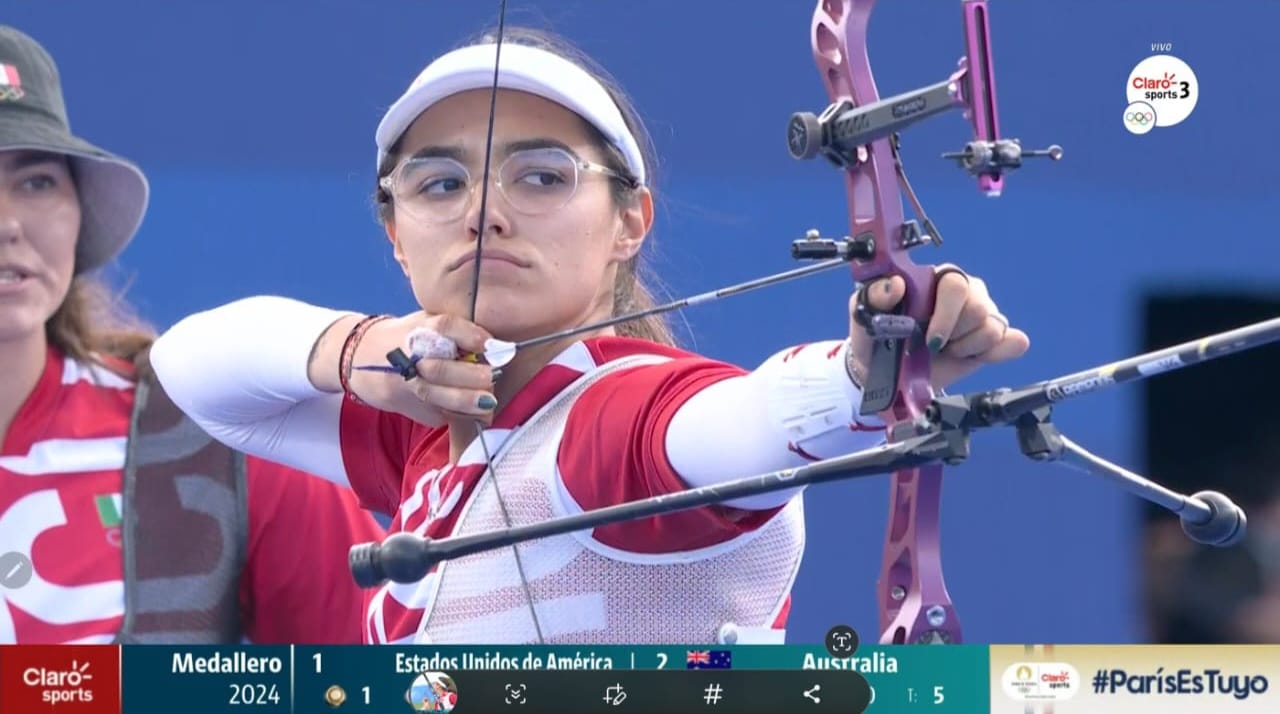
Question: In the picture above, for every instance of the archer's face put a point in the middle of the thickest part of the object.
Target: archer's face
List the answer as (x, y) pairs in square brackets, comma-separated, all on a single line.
[(39, 226), (554, 236)]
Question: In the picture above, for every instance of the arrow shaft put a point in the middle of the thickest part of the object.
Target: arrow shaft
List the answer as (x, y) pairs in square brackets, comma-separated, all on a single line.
[(690, 301)]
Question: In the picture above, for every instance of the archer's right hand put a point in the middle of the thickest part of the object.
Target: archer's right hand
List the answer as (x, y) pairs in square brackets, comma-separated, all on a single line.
[(446, 386)]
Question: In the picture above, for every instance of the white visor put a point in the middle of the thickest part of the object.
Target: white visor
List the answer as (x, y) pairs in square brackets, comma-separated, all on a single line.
[(523, 68)]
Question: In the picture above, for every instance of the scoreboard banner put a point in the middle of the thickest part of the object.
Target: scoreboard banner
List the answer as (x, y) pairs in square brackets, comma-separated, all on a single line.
[(108, 679)]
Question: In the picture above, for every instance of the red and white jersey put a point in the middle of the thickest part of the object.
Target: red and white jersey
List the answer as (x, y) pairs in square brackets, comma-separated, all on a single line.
[(61, 471), (610, 449)]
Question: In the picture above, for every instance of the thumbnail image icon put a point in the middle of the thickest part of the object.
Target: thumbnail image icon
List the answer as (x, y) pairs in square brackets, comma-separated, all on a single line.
[(432, 692)]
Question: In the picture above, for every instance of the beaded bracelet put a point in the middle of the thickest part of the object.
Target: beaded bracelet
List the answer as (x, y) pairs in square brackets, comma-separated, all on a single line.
[(347, 357)]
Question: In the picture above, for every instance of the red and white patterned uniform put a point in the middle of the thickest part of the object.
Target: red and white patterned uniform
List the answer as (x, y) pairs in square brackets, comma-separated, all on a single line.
[(613, 450), (61, 470), (719, 573)]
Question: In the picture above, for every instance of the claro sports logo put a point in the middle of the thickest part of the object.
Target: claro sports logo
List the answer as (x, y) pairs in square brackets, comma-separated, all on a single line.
[(60, 679), (61, 686), (1040, 681), (1166, 87), (1161, 90)]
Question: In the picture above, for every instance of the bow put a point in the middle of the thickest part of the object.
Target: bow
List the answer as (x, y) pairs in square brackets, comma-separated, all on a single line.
[(858, 133)]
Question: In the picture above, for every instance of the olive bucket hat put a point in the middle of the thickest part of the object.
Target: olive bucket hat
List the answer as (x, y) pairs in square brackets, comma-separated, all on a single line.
[(33, 116)]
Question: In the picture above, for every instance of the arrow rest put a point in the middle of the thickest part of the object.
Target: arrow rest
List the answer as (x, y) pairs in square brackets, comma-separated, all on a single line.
[(814, 247)]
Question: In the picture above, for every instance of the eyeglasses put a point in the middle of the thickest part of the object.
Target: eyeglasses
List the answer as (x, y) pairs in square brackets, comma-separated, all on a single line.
[(436, 189)]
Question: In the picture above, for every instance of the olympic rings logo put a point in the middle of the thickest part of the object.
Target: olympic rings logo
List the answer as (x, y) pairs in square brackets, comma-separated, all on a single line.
[(1139, 118), (11, 93)]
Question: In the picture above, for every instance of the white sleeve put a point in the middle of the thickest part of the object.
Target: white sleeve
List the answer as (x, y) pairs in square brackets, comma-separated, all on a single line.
[(240, 372), (799, 406)]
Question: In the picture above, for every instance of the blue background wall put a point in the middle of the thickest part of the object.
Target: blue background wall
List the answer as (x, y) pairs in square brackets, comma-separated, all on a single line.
[(255, 122)]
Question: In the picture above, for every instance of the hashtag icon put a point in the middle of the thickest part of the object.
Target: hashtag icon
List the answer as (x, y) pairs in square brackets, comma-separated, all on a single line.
[(711, 695), (1100, 681)]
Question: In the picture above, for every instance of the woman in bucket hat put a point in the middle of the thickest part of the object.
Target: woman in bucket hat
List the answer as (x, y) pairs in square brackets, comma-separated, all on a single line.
[(121, 520)]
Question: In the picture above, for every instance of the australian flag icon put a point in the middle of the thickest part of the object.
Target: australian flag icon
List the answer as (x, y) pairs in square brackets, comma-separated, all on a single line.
[(708, 659)]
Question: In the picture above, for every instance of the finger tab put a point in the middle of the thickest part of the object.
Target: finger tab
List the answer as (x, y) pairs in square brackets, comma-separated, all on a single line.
[(425, 343)]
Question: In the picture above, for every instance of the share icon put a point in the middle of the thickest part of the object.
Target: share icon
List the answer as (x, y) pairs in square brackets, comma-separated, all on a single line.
[(813, 694)]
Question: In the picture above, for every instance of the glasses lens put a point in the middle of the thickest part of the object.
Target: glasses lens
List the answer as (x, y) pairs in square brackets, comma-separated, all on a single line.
[(432, 189), (539, 180), (436, 190)]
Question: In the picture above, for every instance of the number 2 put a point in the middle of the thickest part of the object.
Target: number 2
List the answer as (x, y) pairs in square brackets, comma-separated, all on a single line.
[(662, 660)]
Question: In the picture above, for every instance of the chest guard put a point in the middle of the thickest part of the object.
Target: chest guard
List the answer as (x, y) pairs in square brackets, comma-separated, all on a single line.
[(588, 592)]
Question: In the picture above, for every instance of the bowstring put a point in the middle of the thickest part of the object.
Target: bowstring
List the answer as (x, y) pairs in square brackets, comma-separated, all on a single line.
[(475, 294)]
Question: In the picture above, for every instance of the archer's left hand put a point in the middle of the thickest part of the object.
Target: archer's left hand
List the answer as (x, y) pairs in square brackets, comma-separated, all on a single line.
[(965, 332)]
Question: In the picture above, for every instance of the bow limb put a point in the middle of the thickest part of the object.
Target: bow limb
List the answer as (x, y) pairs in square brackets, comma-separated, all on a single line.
[(914, 603)]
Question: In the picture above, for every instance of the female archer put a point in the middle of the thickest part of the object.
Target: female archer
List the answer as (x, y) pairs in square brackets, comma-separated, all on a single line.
[(133, 525), (553, 242)]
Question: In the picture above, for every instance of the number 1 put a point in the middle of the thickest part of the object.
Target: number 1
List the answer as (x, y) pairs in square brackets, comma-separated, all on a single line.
[(366, 694), (316, 657)]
